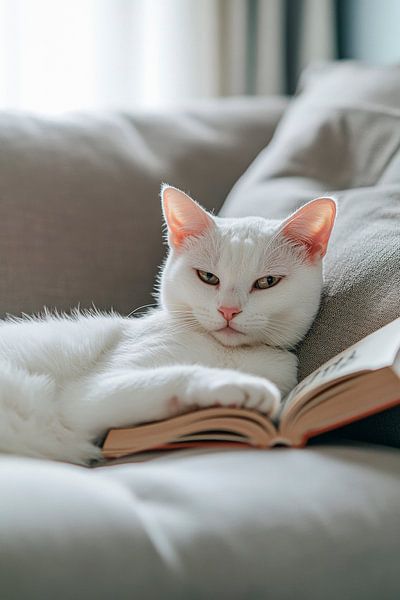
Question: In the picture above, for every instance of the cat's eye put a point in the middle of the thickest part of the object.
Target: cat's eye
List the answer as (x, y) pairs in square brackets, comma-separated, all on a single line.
[(209, 278), (266, 282)]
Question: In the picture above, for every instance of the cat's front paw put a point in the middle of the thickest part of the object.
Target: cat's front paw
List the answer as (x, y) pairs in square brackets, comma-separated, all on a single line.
[(229, 388)]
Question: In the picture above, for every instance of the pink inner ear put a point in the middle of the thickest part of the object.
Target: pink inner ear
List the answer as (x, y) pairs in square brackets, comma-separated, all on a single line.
[(184, 217), (312, 225)]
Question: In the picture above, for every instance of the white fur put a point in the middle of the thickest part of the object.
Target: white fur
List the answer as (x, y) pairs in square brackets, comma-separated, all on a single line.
[(65, 380)]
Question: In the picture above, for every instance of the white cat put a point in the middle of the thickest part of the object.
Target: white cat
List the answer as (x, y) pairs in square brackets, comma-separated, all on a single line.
[(235, 295)]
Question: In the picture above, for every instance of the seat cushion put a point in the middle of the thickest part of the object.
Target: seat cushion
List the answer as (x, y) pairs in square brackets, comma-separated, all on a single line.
[(323, 522)]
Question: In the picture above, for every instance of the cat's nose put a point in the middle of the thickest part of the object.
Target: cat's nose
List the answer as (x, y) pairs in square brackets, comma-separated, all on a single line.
[(229, 312)]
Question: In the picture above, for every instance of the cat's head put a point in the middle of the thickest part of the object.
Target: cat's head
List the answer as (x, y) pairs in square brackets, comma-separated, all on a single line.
[(245, 281)]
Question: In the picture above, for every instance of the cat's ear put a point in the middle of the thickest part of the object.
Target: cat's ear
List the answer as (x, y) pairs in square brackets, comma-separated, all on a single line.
[(311, 226), (183, 216)]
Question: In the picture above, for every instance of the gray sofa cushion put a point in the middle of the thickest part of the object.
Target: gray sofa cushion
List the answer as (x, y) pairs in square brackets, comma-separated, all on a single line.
[(79, 196), (340, 136), (352, 81), (304, 524)]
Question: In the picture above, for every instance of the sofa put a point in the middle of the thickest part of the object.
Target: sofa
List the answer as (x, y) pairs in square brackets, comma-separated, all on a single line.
[(81, 226)]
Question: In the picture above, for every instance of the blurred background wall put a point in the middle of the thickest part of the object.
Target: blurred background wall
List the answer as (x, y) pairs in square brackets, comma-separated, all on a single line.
[(58, 55)]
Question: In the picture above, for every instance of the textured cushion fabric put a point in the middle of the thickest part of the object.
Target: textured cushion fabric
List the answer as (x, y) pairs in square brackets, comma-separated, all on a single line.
[(79, 195), (306, 524), (353, 81), (341, 136)]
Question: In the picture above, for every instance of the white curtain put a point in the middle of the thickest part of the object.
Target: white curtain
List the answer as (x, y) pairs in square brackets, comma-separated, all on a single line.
[(58, 55), (318, 32)]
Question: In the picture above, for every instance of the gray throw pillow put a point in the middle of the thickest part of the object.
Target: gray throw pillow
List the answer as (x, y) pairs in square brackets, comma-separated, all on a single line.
[(340, 136)]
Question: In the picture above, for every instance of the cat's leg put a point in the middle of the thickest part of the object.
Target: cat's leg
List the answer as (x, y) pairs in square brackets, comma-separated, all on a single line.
[(129, 397)]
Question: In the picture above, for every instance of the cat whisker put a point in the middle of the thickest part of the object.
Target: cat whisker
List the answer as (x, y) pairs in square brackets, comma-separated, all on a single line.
[(141, 308), (277, 337)]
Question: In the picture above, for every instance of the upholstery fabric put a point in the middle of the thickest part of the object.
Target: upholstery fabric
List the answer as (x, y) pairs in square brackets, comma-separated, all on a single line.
[(79, 195), (307, 524)]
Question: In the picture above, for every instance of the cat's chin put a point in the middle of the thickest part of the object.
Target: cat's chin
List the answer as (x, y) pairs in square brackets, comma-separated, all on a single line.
[(229, 337)]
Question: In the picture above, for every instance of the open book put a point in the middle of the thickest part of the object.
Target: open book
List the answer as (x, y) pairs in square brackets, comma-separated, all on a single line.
[(361, 381)]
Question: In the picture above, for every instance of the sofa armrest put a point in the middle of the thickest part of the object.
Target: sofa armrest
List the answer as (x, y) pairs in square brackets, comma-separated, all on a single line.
[(81, 222)]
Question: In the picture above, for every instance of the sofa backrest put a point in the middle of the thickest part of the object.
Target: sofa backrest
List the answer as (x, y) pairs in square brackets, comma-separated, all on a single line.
[(79, 196)]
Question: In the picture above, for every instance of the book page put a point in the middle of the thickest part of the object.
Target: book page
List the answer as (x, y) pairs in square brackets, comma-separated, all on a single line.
[(371, 353), (206, 425)]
